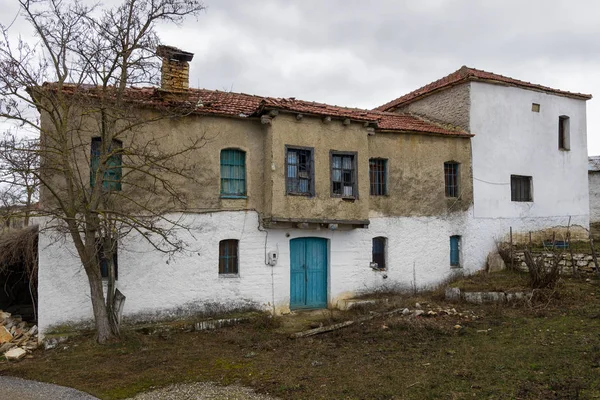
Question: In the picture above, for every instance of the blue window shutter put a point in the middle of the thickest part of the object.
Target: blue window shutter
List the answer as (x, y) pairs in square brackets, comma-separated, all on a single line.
[(233, 172), (454, 251)]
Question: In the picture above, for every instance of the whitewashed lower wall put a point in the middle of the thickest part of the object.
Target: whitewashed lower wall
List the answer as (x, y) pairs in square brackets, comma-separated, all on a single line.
[(418, 251)]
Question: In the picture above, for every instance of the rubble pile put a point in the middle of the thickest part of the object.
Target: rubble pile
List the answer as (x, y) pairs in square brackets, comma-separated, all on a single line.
[(17, 338)]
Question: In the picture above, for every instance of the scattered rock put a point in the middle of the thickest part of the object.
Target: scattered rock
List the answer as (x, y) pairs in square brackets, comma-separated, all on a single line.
[(5, 335), (452, 294), (316, 363), (406, 311), (418, 306), (15, 354), (250, 355), (457, 326), (418, 313)]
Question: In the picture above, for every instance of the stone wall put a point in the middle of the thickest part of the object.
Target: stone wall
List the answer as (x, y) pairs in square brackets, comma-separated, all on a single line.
[(584, 262)]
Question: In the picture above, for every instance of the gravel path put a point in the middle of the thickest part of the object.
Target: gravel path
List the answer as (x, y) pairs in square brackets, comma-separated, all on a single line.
[(202, 391), (21, 389)]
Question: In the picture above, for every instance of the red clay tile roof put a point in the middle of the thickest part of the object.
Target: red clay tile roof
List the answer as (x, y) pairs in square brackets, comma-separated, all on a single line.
[(214, 102), (406, 122), (466, 74), (308, 107)]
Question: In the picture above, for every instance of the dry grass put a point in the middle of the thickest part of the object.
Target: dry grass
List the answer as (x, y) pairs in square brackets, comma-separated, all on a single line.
[(521, 353)]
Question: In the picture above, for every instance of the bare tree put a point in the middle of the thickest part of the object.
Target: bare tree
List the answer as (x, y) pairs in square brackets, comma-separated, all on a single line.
[(103, 174), (19, 164)]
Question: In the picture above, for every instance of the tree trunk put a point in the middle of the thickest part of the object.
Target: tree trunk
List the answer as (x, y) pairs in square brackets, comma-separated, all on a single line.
[(104, 332)]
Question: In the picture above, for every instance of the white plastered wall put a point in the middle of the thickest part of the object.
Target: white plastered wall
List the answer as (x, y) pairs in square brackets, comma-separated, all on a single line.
[(512, 139), (594, 182), (156, 286)]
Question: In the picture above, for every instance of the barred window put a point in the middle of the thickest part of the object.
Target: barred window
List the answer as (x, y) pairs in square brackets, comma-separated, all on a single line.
[(300, 174), (379, 251), (233, 173), (377, 176), (451, 178), (520, 188), (343, 175), (228, 256)]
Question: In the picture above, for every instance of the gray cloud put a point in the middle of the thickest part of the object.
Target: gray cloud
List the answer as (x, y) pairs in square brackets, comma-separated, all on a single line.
[(358, 53)]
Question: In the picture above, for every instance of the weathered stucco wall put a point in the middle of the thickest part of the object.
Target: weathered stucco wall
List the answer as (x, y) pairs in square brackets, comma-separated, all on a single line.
[(322, 137), (511, 139), (594, 185), (450, 106), (190, 283), (418, 253), (415, 165)]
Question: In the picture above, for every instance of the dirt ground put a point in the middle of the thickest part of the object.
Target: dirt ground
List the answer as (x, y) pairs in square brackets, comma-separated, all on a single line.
[(546, 349)]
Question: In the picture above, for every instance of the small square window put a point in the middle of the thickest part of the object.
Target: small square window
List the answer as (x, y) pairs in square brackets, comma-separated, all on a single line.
[(520, 188), (343, 175), (535, 107)]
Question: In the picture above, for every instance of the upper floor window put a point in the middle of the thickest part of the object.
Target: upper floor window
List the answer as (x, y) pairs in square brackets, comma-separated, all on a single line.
[(451, 179), (233, 173), (379, 245), (300, 173), (113, 169), (535, 107), (228, 256), (343, 174), (520, 188), (564, 133), (377, 176)]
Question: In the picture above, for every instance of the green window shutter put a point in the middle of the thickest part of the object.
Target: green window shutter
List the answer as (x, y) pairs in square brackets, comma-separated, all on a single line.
[(113, 172)]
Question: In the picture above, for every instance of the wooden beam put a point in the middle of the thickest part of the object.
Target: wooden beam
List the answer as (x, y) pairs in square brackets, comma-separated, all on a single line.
[(346, 121), (273, 113), (265, 120), (327, 119), (299, 117)]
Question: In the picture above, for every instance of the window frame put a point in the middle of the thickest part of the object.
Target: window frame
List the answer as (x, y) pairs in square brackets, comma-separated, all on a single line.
[(354, 155), (116, 171), (564, 133), (458, 239), (383, 255), (373, 186), (228, 195), (311, 179), (224, 268), (514, 179), (452, 188)]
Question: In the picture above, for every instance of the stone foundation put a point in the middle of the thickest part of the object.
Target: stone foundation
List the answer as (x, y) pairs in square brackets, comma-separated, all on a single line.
[(584, 262)]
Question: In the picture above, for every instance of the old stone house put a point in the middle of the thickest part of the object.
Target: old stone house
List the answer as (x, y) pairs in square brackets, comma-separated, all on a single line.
[(301, 205)]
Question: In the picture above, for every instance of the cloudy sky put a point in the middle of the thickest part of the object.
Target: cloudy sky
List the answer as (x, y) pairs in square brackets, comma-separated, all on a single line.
[(365, 53)]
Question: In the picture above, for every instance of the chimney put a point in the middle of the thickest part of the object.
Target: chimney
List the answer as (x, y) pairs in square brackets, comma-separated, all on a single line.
[(175, 68)]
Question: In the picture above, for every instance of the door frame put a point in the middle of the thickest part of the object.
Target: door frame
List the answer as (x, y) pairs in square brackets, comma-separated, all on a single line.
[(327, 274)]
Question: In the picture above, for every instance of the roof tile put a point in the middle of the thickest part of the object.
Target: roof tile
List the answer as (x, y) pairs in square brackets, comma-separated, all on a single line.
[(466, 74)]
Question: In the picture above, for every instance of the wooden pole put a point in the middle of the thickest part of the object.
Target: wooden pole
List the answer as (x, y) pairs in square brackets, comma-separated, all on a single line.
[(512, 264)]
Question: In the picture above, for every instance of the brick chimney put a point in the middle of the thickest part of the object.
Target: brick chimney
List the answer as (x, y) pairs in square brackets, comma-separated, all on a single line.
[(175, 72)]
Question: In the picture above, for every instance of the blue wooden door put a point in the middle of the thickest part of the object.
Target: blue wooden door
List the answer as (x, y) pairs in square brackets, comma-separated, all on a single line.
[(308, 270)]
